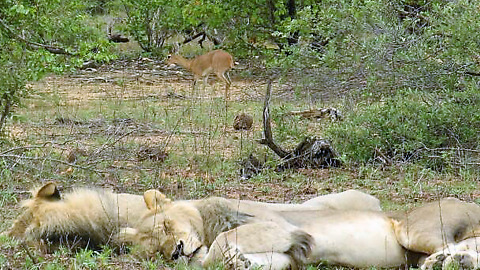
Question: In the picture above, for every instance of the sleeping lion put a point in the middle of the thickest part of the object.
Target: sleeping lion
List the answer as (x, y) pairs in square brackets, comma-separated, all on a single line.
[(346, 229), (245, 235), (81, 218), (91, 218), (447, 231)]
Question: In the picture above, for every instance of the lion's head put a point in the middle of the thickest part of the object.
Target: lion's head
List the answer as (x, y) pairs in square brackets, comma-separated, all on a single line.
[(173, 229), (33, 210), (81, 218)]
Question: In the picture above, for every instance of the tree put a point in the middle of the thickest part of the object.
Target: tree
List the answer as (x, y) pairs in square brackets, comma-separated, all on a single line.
[(42, 36)]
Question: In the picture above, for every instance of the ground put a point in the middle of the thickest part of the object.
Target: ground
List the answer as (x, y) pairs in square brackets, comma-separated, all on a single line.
[(137, 124)]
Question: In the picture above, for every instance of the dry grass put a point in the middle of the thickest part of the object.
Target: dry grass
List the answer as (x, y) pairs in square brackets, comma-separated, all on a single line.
[(105, 117)]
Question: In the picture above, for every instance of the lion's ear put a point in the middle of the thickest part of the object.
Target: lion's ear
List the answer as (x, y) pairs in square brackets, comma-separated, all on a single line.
[(154, 199), (126, 235), (49, 191)]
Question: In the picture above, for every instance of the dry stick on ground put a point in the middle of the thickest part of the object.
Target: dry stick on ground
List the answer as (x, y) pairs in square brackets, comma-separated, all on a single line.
[(29, 254), (333, 113), (310, 153), (88, 168)]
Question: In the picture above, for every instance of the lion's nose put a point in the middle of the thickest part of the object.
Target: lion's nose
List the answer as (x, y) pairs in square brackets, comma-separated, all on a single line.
[(178, 251)]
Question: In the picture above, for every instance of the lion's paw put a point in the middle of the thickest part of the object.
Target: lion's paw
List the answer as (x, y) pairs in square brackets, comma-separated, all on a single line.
[(434, 261), (237, 261), (468, 259)]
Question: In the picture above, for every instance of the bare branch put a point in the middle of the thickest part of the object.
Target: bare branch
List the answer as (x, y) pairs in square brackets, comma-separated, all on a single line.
[(31, 44), (267, 130), (310, 153)]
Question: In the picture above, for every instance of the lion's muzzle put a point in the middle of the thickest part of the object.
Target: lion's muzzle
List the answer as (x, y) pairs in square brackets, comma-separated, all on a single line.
[(178, 251)]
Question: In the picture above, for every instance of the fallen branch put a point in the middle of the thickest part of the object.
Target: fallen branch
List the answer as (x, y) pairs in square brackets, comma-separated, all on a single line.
[(53, 160), (441, 149), (333, 113)]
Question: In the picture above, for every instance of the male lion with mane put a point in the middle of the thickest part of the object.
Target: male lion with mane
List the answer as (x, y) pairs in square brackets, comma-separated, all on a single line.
[(245, 234), (82, 218), (90, 218)]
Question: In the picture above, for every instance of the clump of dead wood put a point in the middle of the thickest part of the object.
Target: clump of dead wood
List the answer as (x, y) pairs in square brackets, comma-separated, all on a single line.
[(331, 113), (311, 152)]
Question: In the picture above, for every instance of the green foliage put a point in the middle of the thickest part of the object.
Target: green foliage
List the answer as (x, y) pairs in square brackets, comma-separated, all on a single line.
[(41, 37), (427, 48), (152, 22), (406, 126), (52, 22), (14, 75), (237, 23), (85, 259)]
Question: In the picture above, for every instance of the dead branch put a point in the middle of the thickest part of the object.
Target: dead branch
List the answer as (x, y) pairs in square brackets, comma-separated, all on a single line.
[(204, 35), (310, 153), (333, 113), (10, 156), (267, 130), (441, 149), (471, 73), (191, 38), (110, 144)]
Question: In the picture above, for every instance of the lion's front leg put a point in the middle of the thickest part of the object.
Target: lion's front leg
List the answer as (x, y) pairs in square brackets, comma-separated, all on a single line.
[(464, 255), (260, 245), (465, 259)]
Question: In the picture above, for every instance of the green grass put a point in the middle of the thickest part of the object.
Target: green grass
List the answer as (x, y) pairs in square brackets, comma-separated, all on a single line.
[(110, 123)]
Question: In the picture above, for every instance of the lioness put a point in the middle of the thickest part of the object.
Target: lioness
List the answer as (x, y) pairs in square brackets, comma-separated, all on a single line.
[(82, 218), (242, 235), (448, 229)]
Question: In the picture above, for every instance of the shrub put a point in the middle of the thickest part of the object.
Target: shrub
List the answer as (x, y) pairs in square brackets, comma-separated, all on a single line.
[(408, 125)]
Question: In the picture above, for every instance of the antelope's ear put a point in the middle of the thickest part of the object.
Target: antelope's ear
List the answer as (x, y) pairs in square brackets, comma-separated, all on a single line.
[(49, 191), (155, 199)]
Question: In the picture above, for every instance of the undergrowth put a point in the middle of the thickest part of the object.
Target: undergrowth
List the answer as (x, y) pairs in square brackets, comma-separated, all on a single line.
[(411, 126)]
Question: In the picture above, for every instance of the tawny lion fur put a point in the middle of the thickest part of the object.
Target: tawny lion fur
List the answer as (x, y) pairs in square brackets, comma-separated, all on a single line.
[(82, 218), (245, 234), (92, 217), (347, 229), (448, 230)]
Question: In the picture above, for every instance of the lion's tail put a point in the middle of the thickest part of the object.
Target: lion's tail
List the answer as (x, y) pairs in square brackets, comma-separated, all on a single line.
[(300, 249)]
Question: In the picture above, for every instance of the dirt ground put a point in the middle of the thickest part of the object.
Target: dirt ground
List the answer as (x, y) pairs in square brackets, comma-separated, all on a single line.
[(96, 100), (94, 128)]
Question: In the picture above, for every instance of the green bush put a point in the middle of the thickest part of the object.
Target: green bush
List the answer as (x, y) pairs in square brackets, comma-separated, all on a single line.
[(37, 38), (408, 125)]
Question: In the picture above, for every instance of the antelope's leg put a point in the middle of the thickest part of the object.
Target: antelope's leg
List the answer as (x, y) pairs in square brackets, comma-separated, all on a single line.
[(226, 79)]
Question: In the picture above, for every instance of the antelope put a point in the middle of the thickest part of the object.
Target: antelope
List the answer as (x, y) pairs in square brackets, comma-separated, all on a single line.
[(217, 61)]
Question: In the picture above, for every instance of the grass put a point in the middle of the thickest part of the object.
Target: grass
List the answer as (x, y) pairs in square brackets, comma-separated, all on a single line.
[(106, 119)]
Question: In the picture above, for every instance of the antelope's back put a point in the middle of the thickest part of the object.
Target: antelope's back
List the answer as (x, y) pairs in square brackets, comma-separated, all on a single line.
[(222, 60)]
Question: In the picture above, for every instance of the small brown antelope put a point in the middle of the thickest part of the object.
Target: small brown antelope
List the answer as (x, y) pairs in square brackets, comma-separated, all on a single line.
[(217, 61)]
